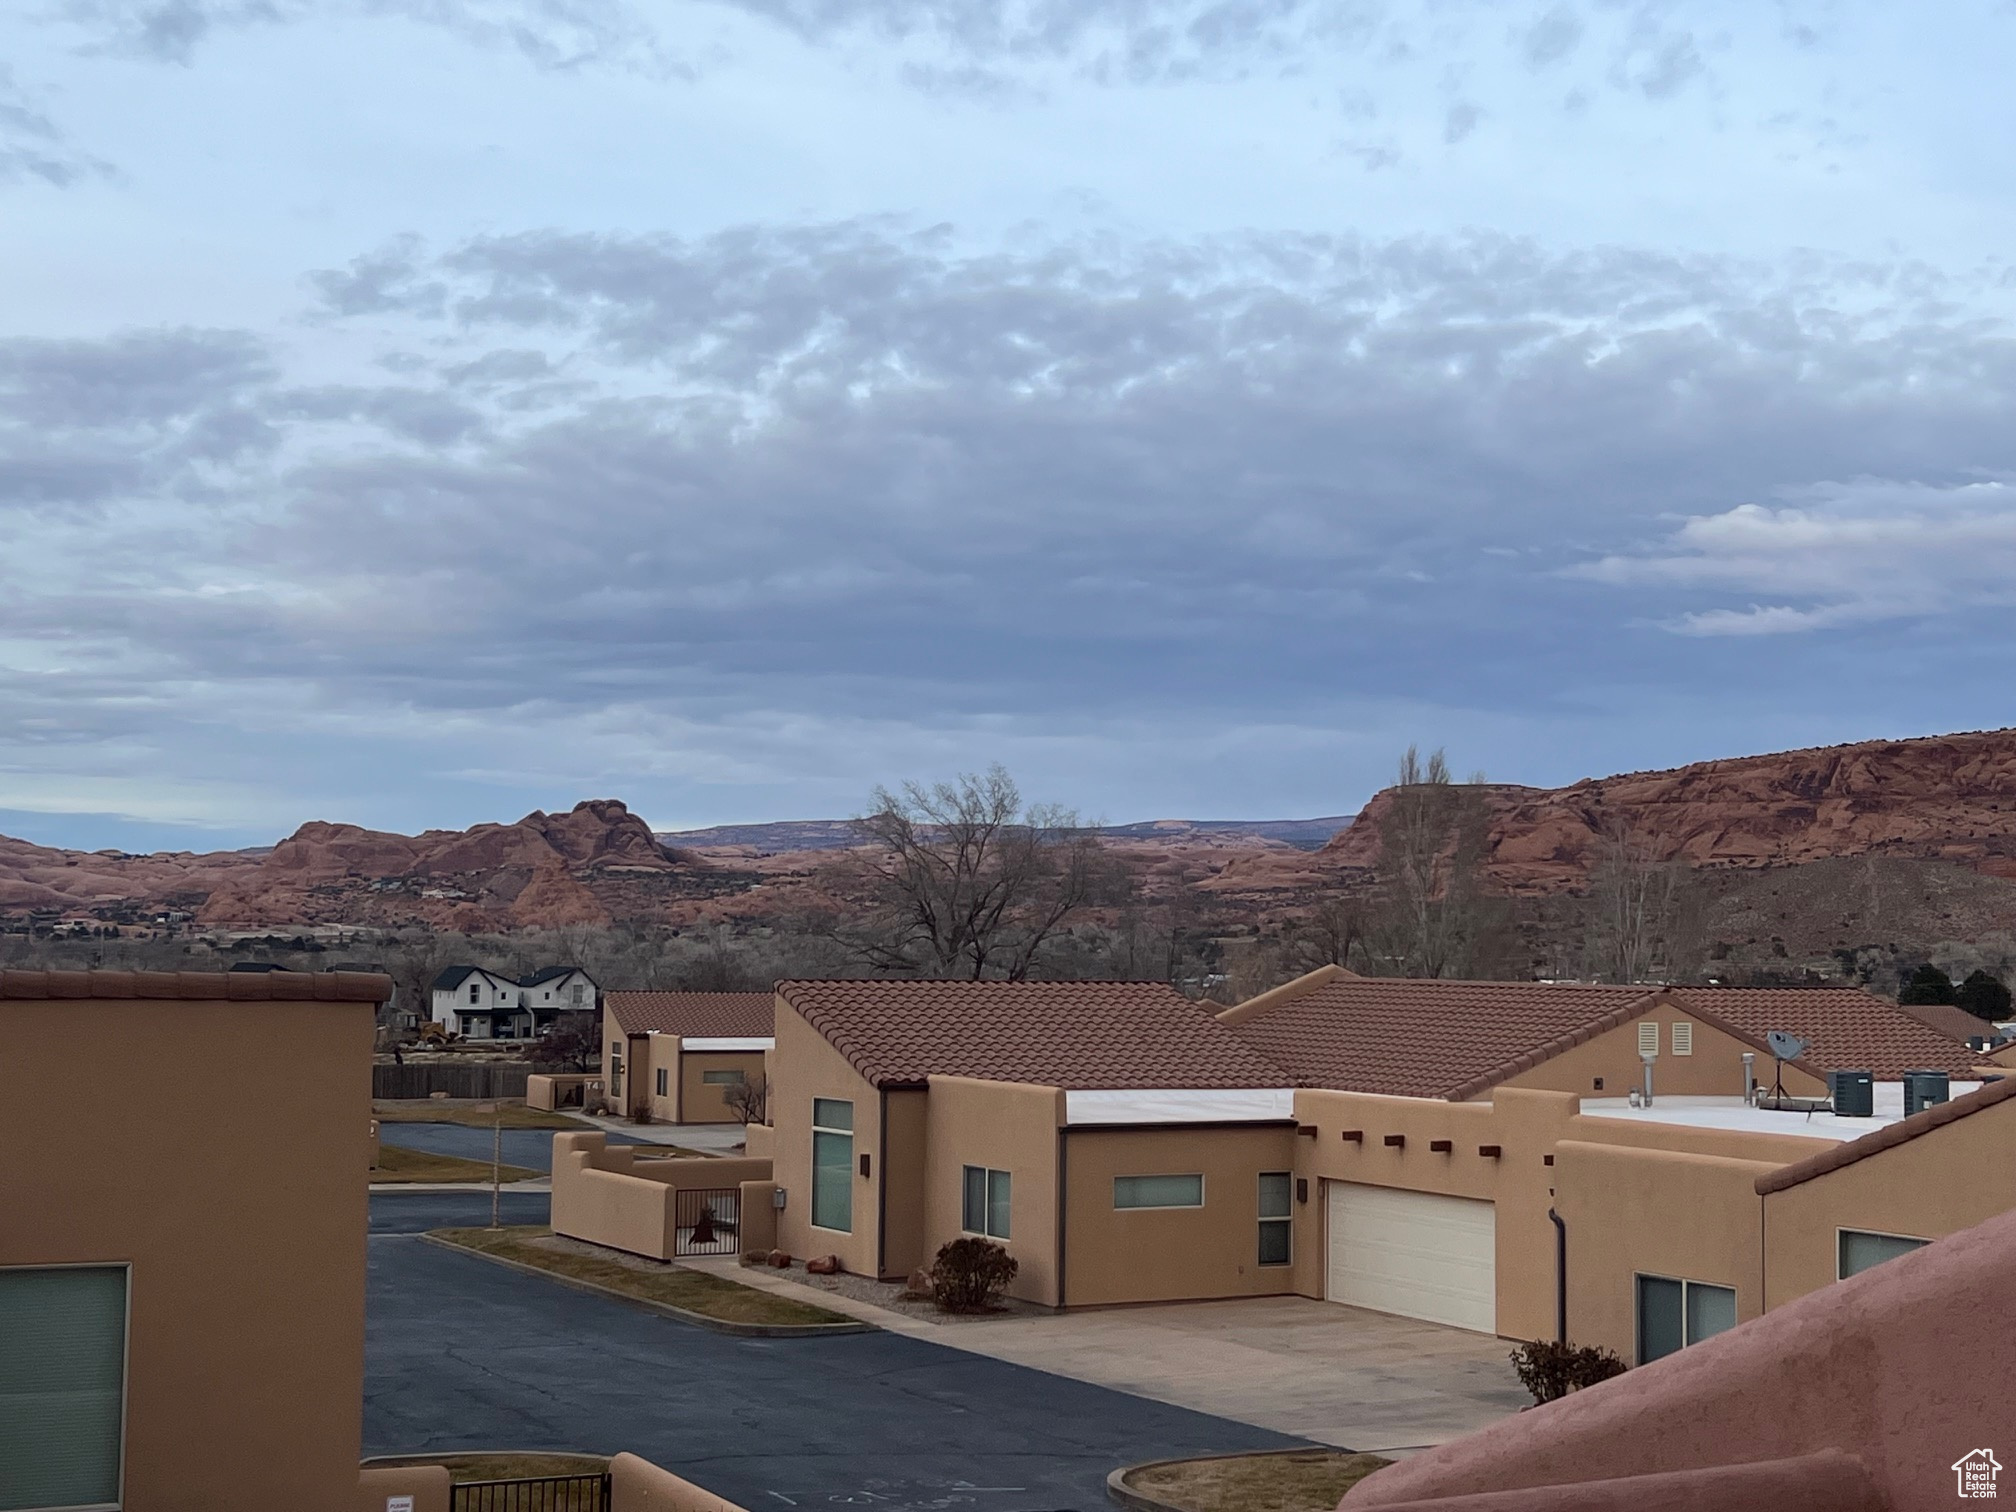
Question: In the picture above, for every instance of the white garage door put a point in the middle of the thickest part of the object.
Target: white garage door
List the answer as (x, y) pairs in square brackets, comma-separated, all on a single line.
[(1418, 1254)]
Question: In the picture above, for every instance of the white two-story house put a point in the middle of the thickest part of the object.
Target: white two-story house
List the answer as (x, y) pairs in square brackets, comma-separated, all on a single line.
[(477, 1003)]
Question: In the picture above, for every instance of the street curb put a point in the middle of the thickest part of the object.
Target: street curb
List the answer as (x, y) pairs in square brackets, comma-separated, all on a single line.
[(682, 1314), (1140, 1501)]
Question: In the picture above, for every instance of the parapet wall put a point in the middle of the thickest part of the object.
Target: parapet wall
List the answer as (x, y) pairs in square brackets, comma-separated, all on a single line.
[(623, 1198)]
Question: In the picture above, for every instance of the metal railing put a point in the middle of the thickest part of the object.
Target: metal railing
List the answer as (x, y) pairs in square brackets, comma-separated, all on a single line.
[(543, 1493), (709, 1221)]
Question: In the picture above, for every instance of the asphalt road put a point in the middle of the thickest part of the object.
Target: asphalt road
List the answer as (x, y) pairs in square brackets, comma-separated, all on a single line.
[(530, 1148), (464, 1354)]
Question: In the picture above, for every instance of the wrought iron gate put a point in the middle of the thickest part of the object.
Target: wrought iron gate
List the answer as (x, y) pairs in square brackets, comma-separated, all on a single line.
[(543, 1493), (709, 1221)]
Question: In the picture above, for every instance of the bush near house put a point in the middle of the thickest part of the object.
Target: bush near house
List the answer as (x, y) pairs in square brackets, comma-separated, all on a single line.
[(1551, 1370), (968, 1274)]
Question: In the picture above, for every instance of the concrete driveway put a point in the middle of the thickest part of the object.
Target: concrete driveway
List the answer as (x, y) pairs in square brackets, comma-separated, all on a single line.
[(464, 1354)]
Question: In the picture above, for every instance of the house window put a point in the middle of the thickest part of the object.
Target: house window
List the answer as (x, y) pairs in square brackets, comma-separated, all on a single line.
[(722, 1078), (1158, 1191), (475, 992), (664, 1081), (1683, 1039), (62, 1385), (1277, 1217), (574, 994), (1860, 1250), (1673, 1314), (615, 1069), (833, 1164), (984, 1204)]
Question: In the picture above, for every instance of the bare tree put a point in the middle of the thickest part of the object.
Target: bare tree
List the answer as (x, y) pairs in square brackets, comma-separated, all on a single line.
[(749, 1100), (1432, 917), (1639, 914), (965, 881)]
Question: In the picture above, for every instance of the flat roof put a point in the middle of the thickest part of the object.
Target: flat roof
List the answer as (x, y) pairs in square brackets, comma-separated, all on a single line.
[(1732, 1113)]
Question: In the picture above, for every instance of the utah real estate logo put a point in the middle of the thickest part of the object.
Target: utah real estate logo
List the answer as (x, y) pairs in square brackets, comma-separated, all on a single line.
[(1975, 1472)]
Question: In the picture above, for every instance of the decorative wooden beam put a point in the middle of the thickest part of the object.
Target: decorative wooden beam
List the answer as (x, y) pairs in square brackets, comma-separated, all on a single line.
[(1396, 1141), (1441, 1146), (1489, 1152), (1354, 1136)]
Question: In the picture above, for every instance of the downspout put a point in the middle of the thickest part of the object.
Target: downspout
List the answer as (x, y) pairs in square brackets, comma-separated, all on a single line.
[(1063, 1204), (881, 1183), (1560, 1277)]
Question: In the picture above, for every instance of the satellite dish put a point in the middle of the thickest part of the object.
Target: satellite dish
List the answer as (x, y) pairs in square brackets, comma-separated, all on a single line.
[(1785, 1046)]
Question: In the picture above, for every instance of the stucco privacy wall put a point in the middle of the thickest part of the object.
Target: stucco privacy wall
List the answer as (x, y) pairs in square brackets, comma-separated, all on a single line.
[(379, 1486), (239, 1397), (1173, 1254), (1925, 1188), (807, 1067), (1004, 1126), (1654, 1212), (1714, 1069), (1525, 1126), (1902, 1366), (607, 1195), (637, 1485)]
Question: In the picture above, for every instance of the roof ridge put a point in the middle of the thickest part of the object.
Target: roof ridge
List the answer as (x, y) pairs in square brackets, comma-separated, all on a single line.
[(1878, 1140)]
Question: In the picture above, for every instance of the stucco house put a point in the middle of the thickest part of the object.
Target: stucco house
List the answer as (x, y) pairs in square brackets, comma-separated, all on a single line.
[(478, 1003), (680, 1056)]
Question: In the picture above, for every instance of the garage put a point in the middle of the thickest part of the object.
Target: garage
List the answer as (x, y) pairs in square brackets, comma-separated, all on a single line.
[(1418, 1254)]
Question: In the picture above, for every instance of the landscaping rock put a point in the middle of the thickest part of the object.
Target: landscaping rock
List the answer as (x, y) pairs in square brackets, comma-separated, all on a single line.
[(822, 1265), (918, 1289), (781, 1259)]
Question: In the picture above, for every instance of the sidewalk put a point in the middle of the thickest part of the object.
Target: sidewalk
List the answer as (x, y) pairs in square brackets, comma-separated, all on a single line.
[(1333, 1374)]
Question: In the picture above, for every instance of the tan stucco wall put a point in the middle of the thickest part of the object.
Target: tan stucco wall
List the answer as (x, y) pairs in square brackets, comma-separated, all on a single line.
[(759, 1217), (805, 1067), (1715, 1069), (637, 1485), (759, 1141), (905, 1148), (239, 1397), (701, 1102), (1948, 1179), (604, 1194), (1654, 1212), (1004, 1126), (1172, 1254), (429, 1485)]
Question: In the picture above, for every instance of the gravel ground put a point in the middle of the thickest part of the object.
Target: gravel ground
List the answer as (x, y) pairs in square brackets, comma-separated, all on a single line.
[(890, 1294)]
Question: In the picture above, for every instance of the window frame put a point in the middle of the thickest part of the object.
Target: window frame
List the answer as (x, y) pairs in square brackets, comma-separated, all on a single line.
[(728, 1078), (845, 1172), (1687, 1287), (1841, 1234), (1160, 1207), (125, 1268), (987, 1175), (1283, 1220), (664, 1081)]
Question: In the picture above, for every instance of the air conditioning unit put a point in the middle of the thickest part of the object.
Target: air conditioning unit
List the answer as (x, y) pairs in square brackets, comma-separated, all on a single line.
[(1925, 1089), (1854, 1093)]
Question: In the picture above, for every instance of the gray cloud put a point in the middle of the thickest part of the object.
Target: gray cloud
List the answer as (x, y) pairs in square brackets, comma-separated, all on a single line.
[(33, 147)]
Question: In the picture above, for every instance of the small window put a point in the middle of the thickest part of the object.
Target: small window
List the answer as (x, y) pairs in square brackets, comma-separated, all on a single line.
[(1861, 1251), (1673, 1314), (985, 1201), (1158, 1191), (63, 1380), (615, 1069), (833, 1164), (1277, 1217), (1648, 1039), (664, 1083), (475, 992), (574, 994), (723, 1078), (1683, 1039)]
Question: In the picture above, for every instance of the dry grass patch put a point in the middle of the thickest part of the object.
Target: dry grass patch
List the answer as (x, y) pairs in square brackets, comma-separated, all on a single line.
[(512, 1115), (397, 1163), (633, 1276), (1302, 1480)]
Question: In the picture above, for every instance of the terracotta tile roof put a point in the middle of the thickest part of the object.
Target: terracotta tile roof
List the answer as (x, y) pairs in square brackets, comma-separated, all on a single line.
[(1917, 1125), (207, 986), (1944, 1018), (698, 1015), (1080, 1036), (1845, 1030), (1413, 1038)]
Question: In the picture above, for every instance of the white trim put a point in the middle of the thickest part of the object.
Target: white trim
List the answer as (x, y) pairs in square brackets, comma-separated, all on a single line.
[(1175, 1105), (726, 1042)]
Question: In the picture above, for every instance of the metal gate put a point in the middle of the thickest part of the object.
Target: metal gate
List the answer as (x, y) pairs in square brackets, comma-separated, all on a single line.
[(544, 1493), (709, 1221)]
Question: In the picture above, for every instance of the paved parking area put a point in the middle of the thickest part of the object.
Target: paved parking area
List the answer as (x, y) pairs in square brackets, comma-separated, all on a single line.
[(464, 1354)]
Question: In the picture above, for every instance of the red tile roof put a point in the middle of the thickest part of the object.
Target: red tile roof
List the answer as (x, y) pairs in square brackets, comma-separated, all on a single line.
[(1409, 1038), (1845, 1030), (200, 986), (1944, 1018), (1080, 1036), (1434, 1038), (1914, 1127), (696, 1015)]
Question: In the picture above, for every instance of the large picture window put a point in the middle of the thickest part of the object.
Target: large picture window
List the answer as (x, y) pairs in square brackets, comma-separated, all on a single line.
[(1277, 1217), (985, 1202), (62, 1386), (1158, 1191), (1860, 1250), (1673, 1314), (833, 1164)]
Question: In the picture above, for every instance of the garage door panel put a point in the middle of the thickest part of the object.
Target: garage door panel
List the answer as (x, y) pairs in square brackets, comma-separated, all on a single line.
[(1418, 1254)]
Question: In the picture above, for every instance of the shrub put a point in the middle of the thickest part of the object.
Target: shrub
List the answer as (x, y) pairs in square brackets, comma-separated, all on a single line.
[(1928, 984), (1550, 1370), (1983, 996), (968, 1275)]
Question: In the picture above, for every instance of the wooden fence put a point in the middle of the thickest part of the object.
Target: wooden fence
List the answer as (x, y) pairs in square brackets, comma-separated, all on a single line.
[(481, 1079)]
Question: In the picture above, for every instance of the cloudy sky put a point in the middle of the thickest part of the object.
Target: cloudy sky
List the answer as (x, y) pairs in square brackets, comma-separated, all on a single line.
[(414, 412)]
